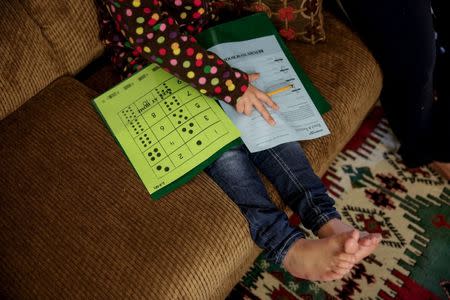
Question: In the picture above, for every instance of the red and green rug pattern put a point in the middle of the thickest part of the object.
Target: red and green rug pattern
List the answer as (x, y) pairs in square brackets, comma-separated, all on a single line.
[(375, 192)]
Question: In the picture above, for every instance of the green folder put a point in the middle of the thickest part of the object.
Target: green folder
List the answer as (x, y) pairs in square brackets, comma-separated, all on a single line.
[(256, 26)]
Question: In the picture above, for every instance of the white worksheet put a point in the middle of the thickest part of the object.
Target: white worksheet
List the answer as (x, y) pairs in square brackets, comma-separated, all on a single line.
[(297, 119)]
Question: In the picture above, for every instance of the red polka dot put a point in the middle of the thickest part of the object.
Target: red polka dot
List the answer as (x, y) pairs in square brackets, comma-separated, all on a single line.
[(170, 21), (162, 51), (190, 28), (193, 39), (198, 63), (243, 88), (151, 22), (119, 18), (147, 10), (220, 62), (217, 90), (190, 51), (197, 2), (196, 15)]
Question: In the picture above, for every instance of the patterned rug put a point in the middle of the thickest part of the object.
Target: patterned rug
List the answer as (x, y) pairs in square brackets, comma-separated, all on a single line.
[(375, 192)]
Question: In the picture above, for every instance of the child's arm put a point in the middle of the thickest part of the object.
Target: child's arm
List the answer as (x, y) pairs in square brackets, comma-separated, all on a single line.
[(156, 36)]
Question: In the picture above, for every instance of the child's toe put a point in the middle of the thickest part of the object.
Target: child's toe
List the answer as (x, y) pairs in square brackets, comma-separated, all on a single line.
[(345, 265), (351, 243), (345, 257)]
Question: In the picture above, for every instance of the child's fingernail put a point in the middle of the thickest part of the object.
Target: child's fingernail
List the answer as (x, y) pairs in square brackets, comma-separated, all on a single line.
[(272, 122)]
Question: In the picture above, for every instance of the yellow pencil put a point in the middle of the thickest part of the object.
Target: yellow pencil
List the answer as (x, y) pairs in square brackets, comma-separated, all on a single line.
[(281, 89)]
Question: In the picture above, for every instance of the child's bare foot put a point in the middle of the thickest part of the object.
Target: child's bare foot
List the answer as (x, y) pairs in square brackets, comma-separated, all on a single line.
[(367, 242), (324, 259)]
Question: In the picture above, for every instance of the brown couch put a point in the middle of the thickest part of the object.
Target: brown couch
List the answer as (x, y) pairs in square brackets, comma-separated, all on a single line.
[(75, 220)]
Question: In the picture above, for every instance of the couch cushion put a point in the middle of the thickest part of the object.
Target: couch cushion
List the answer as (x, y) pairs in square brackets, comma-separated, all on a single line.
[(27, 61), (76, 222), (71, 28), (348, 76)]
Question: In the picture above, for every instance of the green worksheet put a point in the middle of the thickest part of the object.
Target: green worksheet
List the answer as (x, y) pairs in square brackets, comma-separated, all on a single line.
[(168, 130)]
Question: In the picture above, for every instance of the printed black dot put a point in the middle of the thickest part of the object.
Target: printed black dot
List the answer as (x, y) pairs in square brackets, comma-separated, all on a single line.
[(190, 131), (155, 150), (166, 169), (140, 138), (150, 154), (165, 102), (170, 109), (186, 118), (171, 103), (199, 142), (184, 129), (191, 124), (179, 122), (145, 134), (181, 110), (152, 159), (174, 115), (145, 145), (180, 116), (158, 154), (158, 168)]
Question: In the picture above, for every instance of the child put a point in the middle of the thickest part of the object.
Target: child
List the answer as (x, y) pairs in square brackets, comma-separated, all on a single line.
[(139, 32)]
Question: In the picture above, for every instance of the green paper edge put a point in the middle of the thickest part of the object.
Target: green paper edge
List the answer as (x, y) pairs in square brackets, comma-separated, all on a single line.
[(259, 25)]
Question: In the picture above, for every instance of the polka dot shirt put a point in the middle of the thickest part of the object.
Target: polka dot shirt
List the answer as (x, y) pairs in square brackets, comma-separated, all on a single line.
[(138, 32)]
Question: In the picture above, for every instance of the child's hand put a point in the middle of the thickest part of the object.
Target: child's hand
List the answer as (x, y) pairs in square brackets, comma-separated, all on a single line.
[(253, 97)]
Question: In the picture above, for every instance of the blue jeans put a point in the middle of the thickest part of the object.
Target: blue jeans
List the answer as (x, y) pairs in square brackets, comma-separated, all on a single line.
[(287, 167)]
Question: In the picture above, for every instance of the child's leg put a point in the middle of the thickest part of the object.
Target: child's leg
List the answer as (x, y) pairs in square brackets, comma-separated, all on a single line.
[(324, 259), (302, 190), (269, 227), (287, 167)]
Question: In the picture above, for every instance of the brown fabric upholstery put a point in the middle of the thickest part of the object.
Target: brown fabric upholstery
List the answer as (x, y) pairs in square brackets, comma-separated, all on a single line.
[(27, 62), (76, 222), (71, 28)]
